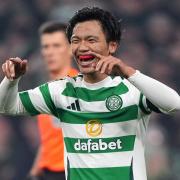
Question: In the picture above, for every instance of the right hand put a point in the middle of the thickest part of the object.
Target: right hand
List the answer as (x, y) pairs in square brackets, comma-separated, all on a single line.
[(13, 68)]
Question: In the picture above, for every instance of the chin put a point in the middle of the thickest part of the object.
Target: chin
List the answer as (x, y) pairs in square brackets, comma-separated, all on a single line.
[(87, 70), (54, 69)]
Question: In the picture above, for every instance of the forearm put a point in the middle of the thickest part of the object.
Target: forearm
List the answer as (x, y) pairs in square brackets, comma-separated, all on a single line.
[(158, 93), (9, 100)]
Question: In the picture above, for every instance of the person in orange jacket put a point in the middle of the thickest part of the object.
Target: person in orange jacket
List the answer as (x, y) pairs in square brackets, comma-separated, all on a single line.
[(55, 49)]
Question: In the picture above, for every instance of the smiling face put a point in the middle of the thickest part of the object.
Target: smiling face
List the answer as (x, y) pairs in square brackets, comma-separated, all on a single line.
[(88, 37)]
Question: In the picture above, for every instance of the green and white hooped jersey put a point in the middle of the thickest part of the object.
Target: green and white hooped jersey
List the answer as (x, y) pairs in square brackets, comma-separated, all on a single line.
[(104, 125)]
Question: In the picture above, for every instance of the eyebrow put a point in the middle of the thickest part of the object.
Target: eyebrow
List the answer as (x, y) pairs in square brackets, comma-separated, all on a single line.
[(87, 37), (92, 37), (73, 36)]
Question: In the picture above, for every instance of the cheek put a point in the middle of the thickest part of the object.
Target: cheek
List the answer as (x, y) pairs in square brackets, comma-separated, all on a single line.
[(44, 52), (60, 51), (100, 48), (94, 47), (74, 48)]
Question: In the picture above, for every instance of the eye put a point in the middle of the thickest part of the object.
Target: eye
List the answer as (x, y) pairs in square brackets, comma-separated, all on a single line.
[(57, 45), (74, 41), (44, 46), (91, 40)]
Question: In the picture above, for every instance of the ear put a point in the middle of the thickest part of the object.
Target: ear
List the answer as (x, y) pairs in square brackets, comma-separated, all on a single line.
[(113, 47)]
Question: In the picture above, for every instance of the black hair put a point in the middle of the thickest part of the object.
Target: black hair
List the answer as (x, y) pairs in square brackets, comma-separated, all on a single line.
[(51, 27), (110, 26)]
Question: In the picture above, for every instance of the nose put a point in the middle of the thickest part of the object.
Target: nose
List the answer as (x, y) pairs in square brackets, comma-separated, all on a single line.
[(83, 47), (49, 52)]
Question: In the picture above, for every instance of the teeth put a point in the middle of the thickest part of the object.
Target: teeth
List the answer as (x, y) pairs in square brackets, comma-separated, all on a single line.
[(87, 62)]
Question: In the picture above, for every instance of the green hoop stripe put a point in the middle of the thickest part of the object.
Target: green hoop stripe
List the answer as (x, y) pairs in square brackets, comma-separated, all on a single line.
[(108, 173), (125, 114), (93, 95), (44, 89), (27, 103)]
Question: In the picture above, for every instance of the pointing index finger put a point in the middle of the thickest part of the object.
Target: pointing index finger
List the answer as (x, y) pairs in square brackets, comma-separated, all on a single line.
[(15, 60), (99, 56)]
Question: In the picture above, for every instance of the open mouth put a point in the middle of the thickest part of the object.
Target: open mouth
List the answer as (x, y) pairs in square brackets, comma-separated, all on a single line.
[(86, 60)]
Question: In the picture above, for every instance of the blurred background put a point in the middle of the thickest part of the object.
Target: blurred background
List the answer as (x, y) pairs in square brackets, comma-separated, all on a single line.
[(150, 42)]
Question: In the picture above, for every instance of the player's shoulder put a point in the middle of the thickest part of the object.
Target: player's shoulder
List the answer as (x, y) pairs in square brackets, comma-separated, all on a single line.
[(129, 85), (67, 79), (133, 92)]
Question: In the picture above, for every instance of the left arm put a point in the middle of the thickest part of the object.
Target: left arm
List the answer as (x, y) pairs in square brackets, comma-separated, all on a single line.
[(156, 92), (160, 95)]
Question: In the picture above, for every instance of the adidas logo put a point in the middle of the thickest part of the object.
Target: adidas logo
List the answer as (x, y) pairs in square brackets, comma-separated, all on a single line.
[(75, 106)]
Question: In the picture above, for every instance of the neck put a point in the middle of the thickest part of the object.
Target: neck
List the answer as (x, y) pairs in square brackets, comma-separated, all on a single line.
[(94, 77), (53, 75)]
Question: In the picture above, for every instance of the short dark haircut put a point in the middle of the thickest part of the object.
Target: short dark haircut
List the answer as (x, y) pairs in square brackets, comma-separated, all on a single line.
[(110, 26), (51, 27)]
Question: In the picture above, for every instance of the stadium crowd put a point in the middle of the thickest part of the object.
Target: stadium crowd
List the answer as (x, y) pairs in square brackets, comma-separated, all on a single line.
[(150, 42)]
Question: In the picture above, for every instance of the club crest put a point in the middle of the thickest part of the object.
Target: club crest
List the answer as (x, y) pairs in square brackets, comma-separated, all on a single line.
[(114, 102)]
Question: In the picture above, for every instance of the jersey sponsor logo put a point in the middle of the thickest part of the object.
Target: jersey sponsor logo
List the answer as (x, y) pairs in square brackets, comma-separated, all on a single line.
[(99, 145), (114, 102), (93, 128)]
